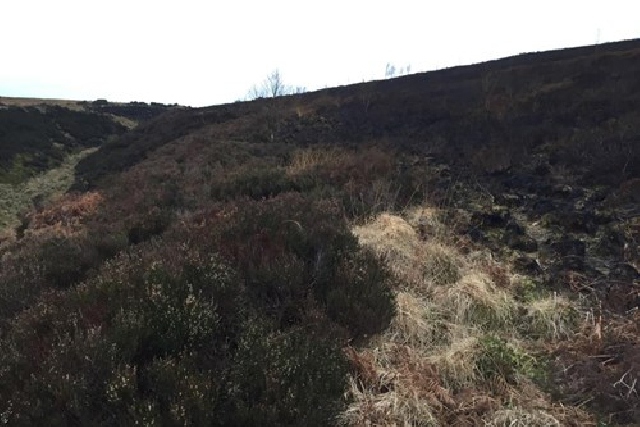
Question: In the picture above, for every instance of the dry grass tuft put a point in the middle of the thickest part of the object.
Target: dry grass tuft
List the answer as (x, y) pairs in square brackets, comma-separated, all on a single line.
[(476, 301), (387, 232), (456, 363), (407, 391), (521, 418), (305, 161), (418, 322), (395, 240), (441, 264), (552, 318)]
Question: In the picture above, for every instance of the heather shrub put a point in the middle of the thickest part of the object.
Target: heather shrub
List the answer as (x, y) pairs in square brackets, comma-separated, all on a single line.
[(173, 315), (92, 356), (259, 183), (360, 295), (54, 263), (299, 380), (167, 342), (297, 255), (65, 261), (107, 244), (19, 285), (154, 223), (242, 325)]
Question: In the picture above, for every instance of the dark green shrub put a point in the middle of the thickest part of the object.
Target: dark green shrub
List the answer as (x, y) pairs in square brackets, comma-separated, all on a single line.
[(107, 244), (167, 333), (259, 183), (360, 296), (501, 360), (150, 225), (54, 264), (173, 314), (65, 261), (177, 391), (277, 285), (293, 252), (285, 379), (67, 361)]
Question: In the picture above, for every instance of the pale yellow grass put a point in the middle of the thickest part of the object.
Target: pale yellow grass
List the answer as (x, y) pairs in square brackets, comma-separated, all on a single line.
[(418, 322), (397, 242), (389, 409), (447, 303), (475, 301), (456, 362), (519, 417)]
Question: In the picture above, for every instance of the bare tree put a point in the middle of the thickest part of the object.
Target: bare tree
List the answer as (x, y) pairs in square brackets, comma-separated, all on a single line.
[(272, 87), (390, 70), (274, 84)]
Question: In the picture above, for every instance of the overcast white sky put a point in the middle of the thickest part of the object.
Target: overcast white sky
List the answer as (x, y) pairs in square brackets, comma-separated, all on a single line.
[(209, 52)]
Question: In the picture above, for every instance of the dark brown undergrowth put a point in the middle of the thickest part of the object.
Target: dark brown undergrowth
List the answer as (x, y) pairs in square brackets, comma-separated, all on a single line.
[(601, 370), (235, 318)]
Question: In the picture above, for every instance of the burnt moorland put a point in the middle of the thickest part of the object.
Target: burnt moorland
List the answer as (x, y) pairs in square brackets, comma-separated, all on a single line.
[(210, 265)]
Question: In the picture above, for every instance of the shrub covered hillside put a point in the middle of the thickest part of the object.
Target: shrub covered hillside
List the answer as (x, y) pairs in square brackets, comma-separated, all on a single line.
[(450, 248), (42, 140), (37, 134), (236, 313)]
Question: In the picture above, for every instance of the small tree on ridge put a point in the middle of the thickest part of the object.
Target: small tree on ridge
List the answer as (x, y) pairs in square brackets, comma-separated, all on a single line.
[(272, 87)]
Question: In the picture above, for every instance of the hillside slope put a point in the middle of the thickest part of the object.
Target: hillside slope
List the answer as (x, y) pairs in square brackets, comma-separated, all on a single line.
[(39, 137), (457, 247), (573, 108), (33, 140)]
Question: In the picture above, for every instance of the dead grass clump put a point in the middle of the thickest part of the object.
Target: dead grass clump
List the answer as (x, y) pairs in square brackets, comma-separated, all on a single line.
[(540, 411), (418, 323), (304, 161), (386, 233), (477, 302), (407, 390), (441, 265), (550, 318), (422, 264), (456, 363), (394, 239), (390, 409), (340, 166), (457, 350), (519, 417)]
